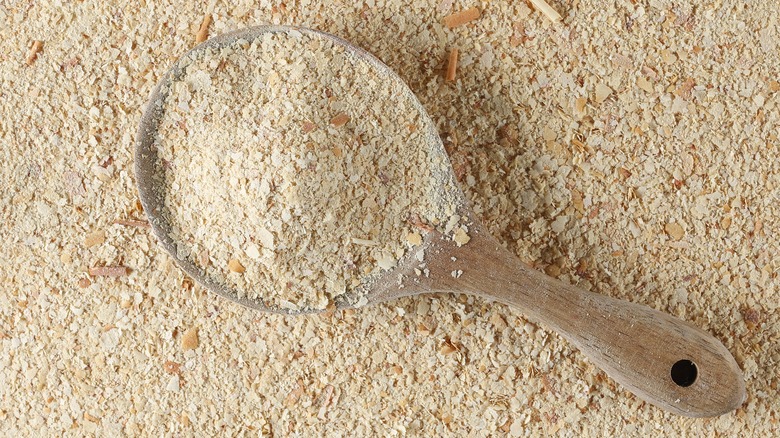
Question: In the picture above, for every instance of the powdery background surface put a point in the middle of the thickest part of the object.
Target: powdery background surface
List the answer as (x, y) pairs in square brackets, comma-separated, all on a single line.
[(663, 190)]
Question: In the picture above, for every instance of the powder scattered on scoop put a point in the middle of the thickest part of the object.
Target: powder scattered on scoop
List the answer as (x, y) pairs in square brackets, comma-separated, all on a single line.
[(295, 172)]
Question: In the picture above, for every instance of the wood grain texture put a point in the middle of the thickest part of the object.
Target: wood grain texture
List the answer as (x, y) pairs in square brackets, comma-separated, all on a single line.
[(634, 344)]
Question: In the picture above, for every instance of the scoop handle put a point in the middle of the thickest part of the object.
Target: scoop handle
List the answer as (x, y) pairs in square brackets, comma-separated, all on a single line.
[(664, 360)]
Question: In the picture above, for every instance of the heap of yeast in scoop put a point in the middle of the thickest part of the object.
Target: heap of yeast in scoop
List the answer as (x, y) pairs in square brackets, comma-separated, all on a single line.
[(294, 171)]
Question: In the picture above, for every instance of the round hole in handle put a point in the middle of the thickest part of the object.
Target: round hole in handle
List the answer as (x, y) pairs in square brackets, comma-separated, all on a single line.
[(684, 372)]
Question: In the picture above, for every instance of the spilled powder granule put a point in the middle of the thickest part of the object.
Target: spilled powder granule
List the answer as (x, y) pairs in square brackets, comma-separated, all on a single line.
[(295, 172)]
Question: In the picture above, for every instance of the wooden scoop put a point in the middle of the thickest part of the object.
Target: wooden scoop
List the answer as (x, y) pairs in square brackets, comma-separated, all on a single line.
[(663, 360)]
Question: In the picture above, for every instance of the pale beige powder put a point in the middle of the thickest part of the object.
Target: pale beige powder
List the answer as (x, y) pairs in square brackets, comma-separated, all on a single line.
[(294, 169), (579, 188)]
